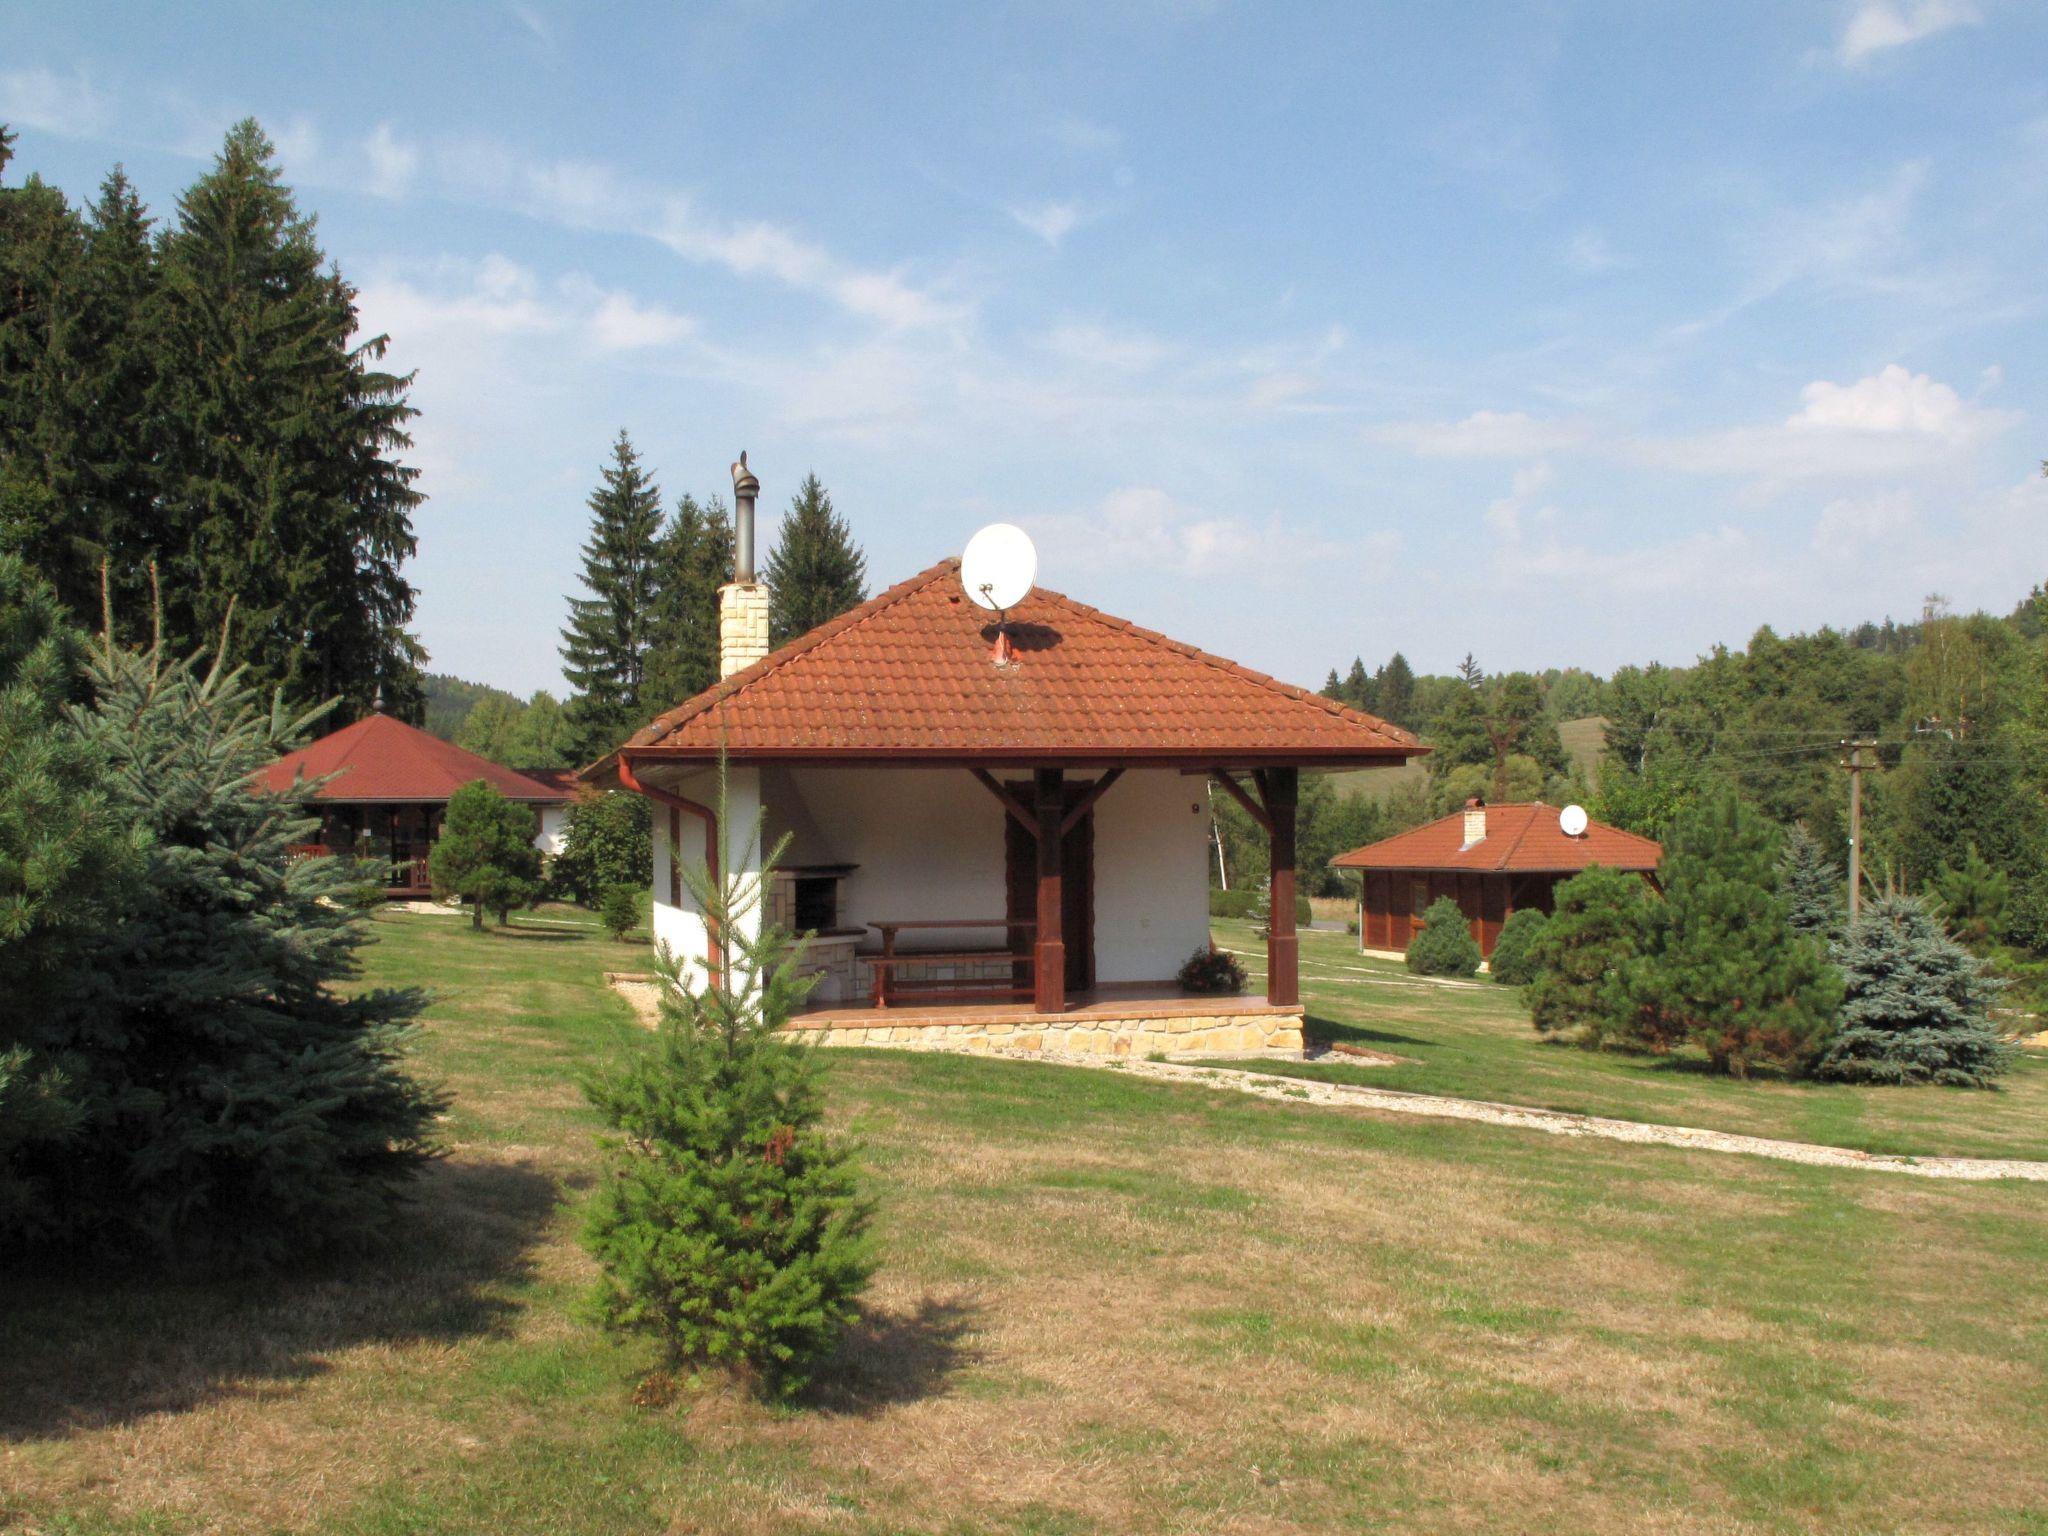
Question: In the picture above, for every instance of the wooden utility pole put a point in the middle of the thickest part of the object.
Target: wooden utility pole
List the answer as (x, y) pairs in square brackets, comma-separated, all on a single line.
[(1855, 764)]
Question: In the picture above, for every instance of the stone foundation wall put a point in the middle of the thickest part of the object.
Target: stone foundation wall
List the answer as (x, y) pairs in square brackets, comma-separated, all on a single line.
[(1140, 1035)]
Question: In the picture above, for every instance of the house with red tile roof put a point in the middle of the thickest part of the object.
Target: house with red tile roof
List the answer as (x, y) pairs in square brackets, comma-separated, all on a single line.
[(997, 826), (1490, 859), (387, 786)]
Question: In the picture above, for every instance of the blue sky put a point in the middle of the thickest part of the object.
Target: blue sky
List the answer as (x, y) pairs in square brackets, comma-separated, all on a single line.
[(1560, 333)]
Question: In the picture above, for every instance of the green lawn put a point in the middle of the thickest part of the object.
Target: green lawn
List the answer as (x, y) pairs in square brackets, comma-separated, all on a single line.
[(1106, 1305), (1474, 1041)]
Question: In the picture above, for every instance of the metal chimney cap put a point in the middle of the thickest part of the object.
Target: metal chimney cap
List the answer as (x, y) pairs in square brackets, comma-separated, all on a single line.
[(743, 481)]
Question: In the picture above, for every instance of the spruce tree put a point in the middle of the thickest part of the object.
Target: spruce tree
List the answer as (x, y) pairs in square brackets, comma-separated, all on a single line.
[(1916, 1005), (730, 1225), (66, 859), (1394, 691), (1582, 957), (693, 562), (46, 359), (279, 488), (815, 572), (485, 853), (1810, 884), (605, 648), (1724, 969), (1972, 898), (237, 1106)]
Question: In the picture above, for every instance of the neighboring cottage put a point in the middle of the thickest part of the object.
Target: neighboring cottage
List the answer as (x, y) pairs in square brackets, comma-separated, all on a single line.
[(1490, 859), (997, 832), (391, 788)]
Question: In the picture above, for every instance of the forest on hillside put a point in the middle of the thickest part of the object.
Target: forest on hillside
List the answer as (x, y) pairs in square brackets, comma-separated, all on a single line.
[(1954, 708)]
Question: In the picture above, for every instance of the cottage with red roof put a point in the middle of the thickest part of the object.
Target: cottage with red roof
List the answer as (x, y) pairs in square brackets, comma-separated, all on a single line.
[(998, 825), (1490, 859), (390, 787)]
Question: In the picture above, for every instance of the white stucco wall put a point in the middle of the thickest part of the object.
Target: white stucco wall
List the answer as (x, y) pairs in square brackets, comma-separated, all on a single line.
[(1151, 876), (929, 844), (679, 927)]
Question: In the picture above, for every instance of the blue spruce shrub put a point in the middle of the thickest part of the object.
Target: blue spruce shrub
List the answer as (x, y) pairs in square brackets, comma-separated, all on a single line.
[(1916, 1007)]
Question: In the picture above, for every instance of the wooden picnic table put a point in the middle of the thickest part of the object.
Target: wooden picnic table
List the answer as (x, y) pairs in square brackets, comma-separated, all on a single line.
[(891, 987)]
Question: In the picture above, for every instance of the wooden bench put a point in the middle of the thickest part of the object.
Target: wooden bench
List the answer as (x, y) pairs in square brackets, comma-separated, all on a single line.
[(893, 986)]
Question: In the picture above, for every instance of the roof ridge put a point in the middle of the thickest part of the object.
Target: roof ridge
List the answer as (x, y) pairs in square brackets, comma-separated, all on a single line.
[(1398, 735), (1528, 824)]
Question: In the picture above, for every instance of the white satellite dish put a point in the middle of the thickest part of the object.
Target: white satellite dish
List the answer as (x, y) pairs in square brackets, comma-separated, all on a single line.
[(1571, 821), (998, 567)]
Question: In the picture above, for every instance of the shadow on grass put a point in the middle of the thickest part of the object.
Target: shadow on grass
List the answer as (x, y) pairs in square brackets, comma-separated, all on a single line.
[(537, 935), (1317, 1030), (889, 1357), (84, 1350)]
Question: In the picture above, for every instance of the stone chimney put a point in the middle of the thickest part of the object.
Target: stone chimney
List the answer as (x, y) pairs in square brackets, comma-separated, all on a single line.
[(1475, 821), (743, 601)]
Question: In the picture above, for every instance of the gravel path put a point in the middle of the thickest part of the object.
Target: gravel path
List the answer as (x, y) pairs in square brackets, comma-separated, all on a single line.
[(1549, 1121), (642, 993)]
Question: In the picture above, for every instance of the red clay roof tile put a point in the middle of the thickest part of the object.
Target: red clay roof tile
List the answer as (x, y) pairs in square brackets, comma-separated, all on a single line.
[(1521, 839), (387, 761), (909, 673)]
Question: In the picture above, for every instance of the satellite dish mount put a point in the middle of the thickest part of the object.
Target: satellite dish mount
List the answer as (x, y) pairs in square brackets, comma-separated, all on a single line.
[(997, 569)]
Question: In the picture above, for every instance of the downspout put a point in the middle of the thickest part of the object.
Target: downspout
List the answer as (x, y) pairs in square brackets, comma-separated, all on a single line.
[(709, 817)]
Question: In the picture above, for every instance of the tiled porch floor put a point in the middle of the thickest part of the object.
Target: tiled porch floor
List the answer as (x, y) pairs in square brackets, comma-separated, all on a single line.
[(1109, 1004)]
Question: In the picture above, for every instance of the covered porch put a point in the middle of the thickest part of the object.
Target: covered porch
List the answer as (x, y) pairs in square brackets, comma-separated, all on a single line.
[(966, 893)]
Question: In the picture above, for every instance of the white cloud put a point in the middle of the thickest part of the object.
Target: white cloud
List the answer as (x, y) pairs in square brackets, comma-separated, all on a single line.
[(1141, 527), (1083, 135), (298, 146), (1504, 516), (1050, 222), (1895, 401), (760, 249), (1878, 26), (497, 297), (620, 323), (1889, 423), (535, 24), (40, 99), (1591, 254), (1100, 346), (1848, 522), (1724, 557), (1482, 435), (391, 162)]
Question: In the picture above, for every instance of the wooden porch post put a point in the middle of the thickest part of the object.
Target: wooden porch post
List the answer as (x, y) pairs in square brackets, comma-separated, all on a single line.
[(1283, 946), (1049, 949)]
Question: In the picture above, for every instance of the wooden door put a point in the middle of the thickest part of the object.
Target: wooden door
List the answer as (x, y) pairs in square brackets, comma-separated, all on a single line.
[(1077, 889)]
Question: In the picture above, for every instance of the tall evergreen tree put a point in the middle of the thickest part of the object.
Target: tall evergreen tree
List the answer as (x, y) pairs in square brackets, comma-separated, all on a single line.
[(1810, 884), (1724, 970), (279, 488), (1394, 688), (605, 647), (815, 572), (693, 562), (45, 395)]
